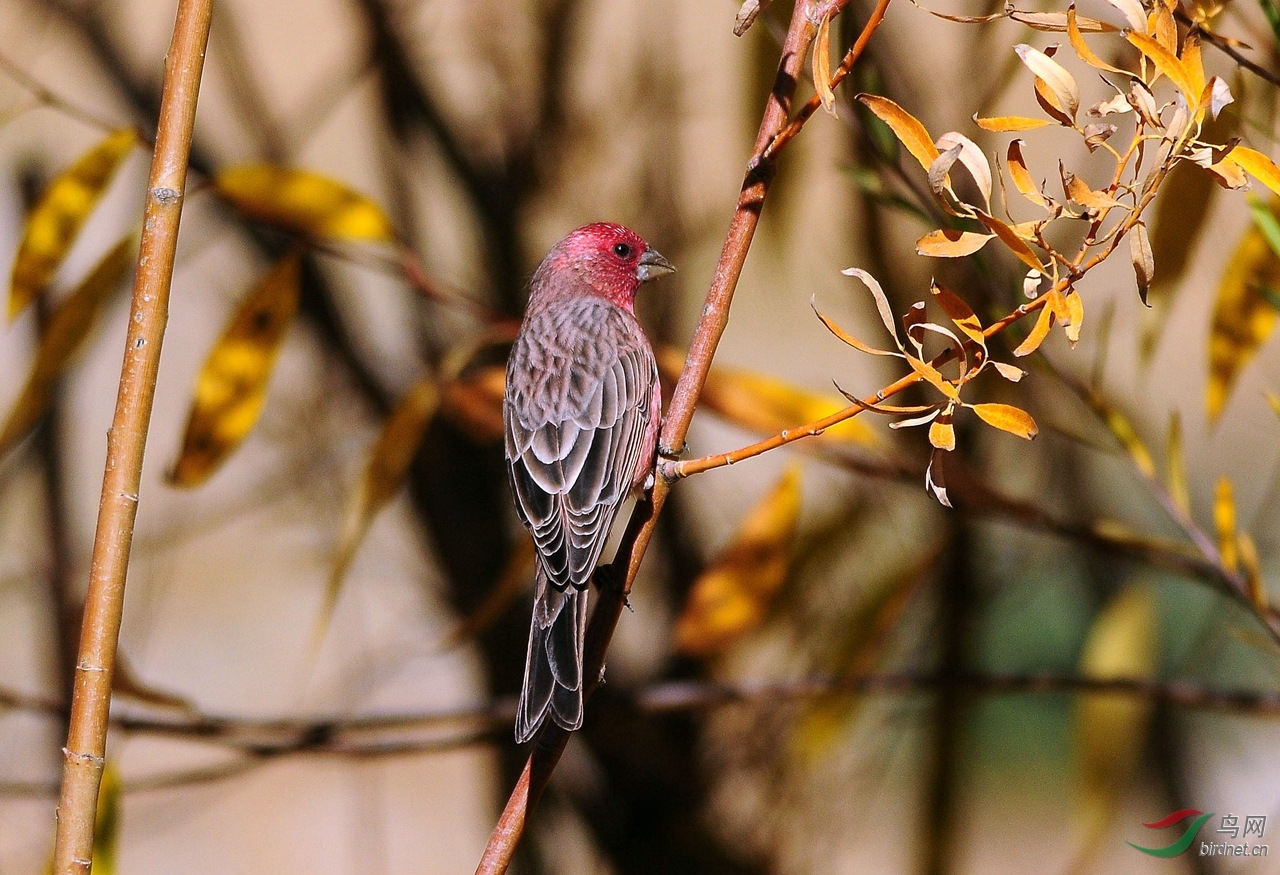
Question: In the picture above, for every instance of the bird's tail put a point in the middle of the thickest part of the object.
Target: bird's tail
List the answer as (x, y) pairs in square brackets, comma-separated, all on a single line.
[(553, 666)]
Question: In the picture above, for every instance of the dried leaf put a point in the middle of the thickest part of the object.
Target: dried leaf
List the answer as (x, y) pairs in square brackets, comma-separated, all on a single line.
[(1117, 104), (1073, 316), (733, 596), (1217, 96), (933, 377), (1166, 32), (1006, 123), (1096, 203), (1224, 521), (1176, 467), (1039, 332), (934, 482), (747, 14), (1010, 238), (388, 463), (822, 66), (65, 332), (905, 126), (1082, 48), (1244, 315), (1168, 64), (1056, 22), (882, 302), (1006, 417), (960, 313), (1097, 134), (1009, 372), (1259, 166), (59, 215), (1021, 177), (1111, 728), (950, 243), (1144, 104), (973, 160), (1060, 83), (232, 387), (942, 434), (304, 202), (1133, 13), (1144, 266)]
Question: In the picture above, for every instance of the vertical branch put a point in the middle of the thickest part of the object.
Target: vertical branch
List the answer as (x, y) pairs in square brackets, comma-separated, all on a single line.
[(85, 753)]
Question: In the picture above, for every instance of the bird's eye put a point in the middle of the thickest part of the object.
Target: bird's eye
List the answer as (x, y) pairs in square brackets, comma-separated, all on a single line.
[(622, 250)]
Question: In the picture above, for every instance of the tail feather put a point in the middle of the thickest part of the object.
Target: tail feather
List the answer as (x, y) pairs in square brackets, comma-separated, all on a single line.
[(553, 663)]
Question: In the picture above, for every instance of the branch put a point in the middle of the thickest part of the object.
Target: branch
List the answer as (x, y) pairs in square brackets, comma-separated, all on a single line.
[(85, 753), (616, 582)]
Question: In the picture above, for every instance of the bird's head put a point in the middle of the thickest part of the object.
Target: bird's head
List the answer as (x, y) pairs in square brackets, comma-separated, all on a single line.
[(612, 261)]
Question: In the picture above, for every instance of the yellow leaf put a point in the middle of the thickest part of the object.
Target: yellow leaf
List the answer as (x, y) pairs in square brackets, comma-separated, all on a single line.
[(1224, 520), (58, 217), (733, 596), (1006, 417), (1168, 64), (960, 313), (1038, 333), (1251, 565), (1022, 177), (1258, 166), (304, 202), (949, 243), (1010, 238), (65, 332), (1124, 432), (1244, 315), (1074, 318), (766, 404), (384, 472), (1111, 728), (232, 387), (906, 126), (942, 433), (1082, 48), (1005, 123), (822, 66)]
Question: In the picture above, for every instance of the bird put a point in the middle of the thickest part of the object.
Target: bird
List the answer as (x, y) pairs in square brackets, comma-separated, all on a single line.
[(581, 416)]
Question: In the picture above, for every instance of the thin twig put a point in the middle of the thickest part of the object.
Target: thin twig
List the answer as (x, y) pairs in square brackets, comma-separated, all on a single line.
[(85, 753)]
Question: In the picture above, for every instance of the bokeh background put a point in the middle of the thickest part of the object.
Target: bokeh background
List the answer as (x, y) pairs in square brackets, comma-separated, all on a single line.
[(875, 715)]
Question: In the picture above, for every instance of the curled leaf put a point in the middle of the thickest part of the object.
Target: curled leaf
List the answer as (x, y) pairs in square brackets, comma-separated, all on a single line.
[(942, 433), (232, 387), (733, 596), (950, 243), (1144, 266), (1169, 64), (822, 66), (1082, 48), (1009, 237), (1061, 85), (59, 215), (1021, 177), (1039, 332), (304, 202), (934, 482)]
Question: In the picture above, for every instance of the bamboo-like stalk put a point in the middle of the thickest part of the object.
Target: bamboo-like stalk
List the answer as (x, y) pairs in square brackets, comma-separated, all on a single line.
[(85, 752)]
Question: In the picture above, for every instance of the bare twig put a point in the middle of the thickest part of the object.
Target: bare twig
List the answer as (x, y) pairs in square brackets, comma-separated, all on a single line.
[(85, 753)]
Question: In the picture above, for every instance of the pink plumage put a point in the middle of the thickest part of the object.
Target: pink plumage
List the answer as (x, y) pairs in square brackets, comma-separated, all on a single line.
[(582, 413)]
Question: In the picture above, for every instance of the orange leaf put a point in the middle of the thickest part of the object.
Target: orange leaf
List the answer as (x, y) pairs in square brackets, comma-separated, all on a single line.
[(1082, 48), (1010, 238), (1038, 333), (1006, 417), (1168, 64), (1258, 166), (949, 243), (822, 66), (1005, 123), (905, 126)]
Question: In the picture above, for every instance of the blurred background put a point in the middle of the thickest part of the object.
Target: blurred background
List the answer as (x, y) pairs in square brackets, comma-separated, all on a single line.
[(823, 669)]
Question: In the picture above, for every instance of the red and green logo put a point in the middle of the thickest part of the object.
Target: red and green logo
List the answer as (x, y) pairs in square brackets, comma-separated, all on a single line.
[(1187, 837)]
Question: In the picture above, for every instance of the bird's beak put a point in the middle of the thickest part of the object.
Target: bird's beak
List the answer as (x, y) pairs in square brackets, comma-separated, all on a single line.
[(652, 265)]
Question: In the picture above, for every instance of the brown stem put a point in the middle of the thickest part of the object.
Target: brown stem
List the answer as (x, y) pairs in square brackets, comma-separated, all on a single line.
[(85, 753), (615, 585)]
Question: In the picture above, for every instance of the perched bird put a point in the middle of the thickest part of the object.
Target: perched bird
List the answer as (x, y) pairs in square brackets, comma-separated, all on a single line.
[(581, 413)]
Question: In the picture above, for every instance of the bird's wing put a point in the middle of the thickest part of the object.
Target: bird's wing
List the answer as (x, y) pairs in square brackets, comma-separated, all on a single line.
[(574, 436)]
